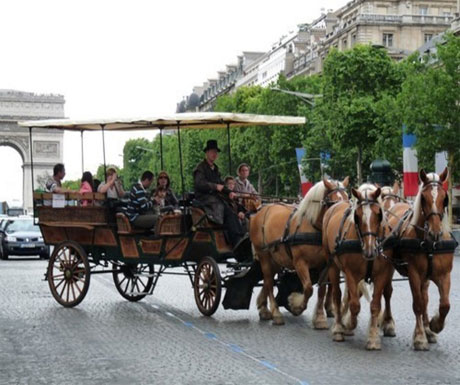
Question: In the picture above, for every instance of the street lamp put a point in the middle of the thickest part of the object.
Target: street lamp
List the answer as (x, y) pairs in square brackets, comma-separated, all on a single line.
[(307, 98)]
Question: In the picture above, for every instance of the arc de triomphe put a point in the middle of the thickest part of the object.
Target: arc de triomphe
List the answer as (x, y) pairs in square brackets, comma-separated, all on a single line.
[(47, 145)]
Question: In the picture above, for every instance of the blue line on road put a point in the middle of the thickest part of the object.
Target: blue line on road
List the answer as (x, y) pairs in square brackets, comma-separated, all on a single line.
[(211, 336), (267, 364)]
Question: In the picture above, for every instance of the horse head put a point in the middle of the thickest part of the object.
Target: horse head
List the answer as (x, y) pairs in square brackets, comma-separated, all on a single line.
[(368, 216), (389, 196), (335, 191), (432, 202)]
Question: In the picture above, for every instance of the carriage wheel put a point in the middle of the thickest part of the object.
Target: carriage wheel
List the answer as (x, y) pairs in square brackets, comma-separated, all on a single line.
[(130, 282), (207, 286), (68, 274)]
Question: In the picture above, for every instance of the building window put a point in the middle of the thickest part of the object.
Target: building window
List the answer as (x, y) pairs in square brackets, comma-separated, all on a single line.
[(353, 39), (423, 11), (387, 40), (264, 75), (344, 43), (428, 37)]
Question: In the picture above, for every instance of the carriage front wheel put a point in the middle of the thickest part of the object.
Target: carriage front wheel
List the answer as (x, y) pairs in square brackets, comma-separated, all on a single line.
[(68, 274), (133, 281), (207, 286)]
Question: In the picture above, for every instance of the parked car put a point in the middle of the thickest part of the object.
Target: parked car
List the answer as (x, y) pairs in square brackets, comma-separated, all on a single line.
[(20, 236)]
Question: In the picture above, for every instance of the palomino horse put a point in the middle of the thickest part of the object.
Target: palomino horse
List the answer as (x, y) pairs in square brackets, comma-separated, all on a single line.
[(389, 196), (283, 237), (427, 249), (351, 236)]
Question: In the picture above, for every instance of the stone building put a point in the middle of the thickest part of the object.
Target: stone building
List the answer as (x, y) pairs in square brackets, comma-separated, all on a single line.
[(47, 145)]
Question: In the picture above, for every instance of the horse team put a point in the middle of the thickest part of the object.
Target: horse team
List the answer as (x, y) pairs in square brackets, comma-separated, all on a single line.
[(366, 240)]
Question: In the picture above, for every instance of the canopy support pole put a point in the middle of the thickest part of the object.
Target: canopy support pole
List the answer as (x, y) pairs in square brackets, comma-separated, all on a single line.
[(31, 162), (103, 152), (229, 151), (180, 159), (161, 149), (82, 154)]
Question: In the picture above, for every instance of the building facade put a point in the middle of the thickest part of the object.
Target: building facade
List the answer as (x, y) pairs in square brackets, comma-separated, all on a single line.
[(47, 145)]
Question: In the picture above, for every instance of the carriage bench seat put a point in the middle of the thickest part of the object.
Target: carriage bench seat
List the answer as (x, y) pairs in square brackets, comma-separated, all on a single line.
[(201, 220), (124, 225)]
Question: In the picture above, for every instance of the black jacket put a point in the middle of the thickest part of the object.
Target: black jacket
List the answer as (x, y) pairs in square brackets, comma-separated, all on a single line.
[(205, 181)]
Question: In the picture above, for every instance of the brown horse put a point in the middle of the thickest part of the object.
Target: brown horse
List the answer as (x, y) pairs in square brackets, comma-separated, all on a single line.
[(428, 249), (270, 232), (351, 237), (389, 196)]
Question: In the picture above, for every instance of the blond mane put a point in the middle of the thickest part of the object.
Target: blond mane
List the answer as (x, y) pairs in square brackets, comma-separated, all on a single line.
[(311, 203), (432, 177), (364, 189)]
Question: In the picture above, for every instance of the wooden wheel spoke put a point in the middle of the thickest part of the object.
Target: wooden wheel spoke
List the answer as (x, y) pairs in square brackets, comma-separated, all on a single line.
[(123, 280), (63, 288)]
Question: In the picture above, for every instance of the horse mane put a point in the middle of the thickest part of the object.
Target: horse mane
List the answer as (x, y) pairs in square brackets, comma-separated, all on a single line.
[(432, 177), (385, 190), (310, 206)]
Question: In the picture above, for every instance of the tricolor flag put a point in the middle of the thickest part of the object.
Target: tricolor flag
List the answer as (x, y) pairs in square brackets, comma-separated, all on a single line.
[(410, 165), (305, 183)]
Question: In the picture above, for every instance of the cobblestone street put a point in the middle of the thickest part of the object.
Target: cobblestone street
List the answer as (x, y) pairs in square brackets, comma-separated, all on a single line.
[(165, 340)]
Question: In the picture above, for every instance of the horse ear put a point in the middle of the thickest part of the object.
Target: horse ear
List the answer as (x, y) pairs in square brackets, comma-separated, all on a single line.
[(346, 181), (444, 175), (376, 193), (396, 188), (356, 193), (377, 185), (328, 184), (422, 176)]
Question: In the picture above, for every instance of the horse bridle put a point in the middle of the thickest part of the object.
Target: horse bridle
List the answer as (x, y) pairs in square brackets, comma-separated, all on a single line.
[(432, 213), (327, 199), (362, 235)]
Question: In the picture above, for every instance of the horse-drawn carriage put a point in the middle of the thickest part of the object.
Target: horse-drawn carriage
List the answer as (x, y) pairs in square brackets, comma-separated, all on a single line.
[(95, 239)]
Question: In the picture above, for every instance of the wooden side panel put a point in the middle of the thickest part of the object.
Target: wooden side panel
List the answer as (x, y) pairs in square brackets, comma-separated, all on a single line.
[(128, 247), (53, 235), (104, 237), (202, 236), (221, 244), (151, 247), (80, 235), (177, 247)]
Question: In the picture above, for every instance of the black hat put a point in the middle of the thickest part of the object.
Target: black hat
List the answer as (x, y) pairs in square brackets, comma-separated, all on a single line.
[(211, 145)]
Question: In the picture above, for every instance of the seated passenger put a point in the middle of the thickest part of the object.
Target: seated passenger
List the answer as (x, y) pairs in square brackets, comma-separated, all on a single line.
[(113, 186), (230, 184), (159, 199), (53, 184), (140, 208), (86, 186), (164, 182), (242, 184)]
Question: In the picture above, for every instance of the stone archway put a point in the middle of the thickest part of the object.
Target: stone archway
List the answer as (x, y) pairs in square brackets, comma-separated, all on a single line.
[(47, 145)]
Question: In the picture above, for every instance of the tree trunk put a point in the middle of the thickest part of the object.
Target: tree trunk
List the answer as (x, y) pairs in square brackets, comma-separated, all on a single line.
[(450, 164), (359, 166), (259, 183)]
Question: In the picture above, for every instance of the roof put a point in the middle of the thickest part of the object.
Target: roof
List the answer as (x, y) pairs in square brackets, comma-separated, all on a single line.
[(184, 120)]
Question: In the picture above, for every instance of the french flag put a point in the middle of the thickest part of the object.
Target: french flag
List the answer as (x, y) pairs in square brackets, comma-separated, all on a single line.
[(305, 183), (410, 165)]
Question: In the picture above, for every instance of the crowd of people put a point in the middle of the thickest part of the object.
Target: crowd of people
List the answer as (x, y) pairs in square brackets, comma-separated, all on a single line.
[(221, 199)]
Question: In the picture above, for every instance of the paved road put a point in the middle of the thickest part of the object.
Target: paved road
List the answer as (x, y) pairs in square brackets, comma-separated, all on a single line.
[(164, 340)]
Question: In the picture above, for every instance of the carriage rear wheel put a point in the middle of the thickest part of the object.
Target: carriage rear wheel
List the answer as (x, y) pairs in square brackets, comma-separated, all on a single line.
[(207, 286), (133, 282), (68, 274)]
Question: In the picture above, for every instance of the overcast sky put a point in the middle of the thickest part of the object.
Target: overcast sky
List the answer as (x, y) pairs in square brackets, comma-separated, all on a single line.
[(128, 58)]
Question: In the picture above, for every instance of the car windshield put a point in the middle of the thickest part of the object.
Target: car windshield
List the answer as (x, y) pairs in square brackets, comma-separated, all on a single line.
[(21, 225)]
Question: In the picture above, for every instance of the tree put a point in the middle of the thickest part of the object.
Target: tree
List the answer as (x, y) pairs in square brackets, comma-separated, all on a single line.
[(430, 102), (137, 159), (350, 119)]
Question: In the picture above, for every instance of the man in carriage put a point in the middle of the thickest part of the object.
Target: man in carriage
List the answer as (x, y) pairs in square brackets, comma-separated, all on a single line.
[(214, 197)]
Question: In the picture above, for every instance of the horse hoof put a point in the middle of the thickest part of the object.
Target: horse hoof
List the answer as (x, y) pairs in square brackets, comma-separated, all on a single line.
[(265, 315), (421, 346), (348, 332), (389, 332), (373, 345), (338, 337), (435, 325), (320, 325), (278, 321), (431, 337)]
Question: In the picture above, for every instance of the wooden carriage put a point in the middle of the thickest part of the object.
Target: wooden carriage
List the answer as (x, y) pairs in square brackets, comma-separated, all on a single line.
[(88, 234)]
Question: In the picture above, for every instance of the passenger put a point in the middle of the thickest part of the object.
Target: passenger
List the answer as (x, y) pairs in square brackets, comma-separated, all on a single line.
[(159, 199), (242, 184), (140, 208), (208, 185), (113, 187), (164, 182), (53, 184), (86, 186), (238, 208)]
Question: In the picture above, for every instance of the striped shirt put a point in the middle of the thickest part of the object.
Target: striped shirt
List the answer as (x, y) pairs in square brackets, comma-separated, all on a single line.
[(138, 203)]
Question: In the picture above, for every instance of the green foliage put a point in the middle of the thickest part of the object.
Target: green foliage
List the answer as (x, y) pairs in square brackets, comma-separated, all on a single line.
[(73, 185), (430, 103), (137, 158)]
